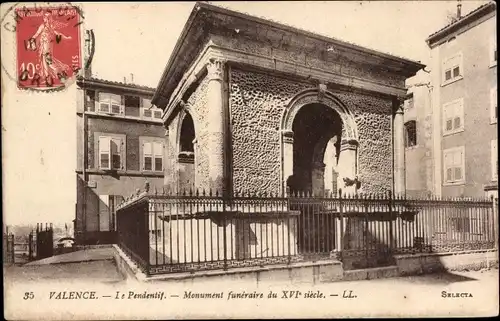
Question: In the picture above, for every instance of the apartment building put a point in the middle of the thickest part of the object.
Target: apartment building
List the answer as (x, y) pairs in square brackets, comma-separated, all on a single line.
[(463, 93), (418, 140), (120, 147)]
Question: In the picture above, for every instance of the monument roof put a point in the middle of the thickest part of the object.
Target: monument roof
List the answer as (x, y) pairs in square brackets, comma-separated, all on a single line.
[(205, 16)]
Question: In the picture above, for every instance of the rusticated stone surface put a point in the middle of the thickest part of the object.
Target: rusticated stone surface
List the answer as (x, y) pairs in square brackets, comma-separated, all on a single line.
[(197, 106), (373, 117), (257, 102)]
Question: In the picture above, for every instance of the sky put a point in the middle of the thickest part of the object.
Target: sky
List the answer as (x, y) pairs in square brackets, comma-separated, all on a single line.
[(39, 129)]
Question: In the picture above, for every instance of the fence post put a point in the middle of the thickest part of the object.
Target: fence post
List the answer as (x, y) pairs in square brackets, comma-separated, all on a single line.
[(341, 232), (391, 231), (224, 231), (495, 219), (30, 251), (147, 245), (13, 255)]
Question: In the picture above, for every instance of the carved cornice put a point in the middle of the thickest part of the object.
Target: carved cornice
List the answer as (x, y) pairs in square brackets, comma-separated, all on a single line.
[(206, 21), (214, 58)]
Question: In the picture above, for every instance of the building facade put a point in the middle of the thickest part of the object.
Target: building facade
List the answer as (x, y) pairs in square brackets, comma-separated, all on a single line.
[(120, 147), (253, 106), (418, 141), (464, 105)]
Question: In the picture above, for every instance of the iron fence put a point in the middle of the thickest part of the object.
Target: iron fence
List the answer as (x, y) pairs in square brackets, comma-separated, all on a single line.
[(166, 233)]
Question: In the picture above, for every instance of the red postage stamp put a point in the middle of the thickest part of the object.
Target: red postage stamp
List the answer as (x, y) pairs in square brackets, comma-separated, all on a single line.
[(48, 46)]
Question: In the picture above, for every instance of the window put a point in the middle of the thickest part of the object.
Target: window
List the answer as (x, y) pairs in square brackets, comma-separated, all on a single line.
[(411, 133), (110, 103), (452, 69), (453, 115), (494, 160), (152, 112), (146, 112), (409, 101), (152, 155), (454, 165), (111, 151), (132, 106), (493, 52), (157, 114), (493, 105), (90, 100)]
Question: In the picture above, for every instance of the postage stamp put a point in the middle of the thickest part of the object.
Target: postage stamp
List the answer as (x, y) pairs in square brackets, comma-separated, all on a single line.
[(48, 46)]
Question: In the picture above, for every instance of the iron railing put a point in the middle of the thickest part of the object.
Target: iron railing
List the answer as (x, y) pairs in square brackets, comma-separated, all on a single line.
[(166, 233)]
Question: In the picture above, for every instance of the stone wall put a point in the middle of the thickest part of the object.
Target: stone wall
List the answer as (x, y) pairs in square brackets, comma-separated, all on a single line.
[(373, 118), (257, 102), (171, 154), (196, 105)]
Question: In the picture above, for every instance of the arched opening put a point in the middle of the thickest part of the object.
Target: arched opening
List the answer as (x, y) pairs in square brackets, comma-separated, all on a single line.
[(316, 149), (187, 134), (186, 158)]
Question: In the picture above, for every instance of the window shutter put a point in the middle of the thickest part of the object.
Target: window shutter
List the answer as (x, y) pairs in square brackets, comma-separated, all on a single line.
[(459, 113), (147, 156), (457, 164), (116, 152), (447, 75), (122, 153), (104, 152), (158, 155), (116, 103), (158, 149)]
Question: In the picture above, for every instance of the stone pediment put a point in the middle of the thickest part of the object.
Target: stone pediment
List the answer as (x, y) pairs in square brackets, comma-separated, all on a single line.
[(240, 35)]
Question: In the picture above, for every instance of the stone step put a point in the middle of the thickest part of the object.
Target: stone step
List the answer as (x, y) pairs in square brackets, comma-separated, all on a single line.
[(371, 273)]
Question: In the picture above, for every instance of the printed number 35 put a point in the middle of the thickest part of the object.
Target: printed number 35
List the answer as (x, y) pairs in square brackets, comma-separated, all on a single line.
[(28, 296)]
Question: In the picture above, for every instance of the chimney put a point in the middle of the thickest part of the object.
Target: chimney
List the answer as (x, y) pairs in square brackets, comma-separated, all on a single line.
[(124, 80), (131, 78), (459, 9)]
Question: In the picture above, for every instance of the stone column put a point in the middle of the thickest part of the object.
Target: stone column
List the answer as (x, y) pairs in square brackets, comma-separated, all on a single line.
[(399, 151), (215, 132), (167, 168), (347, 165), (287, 137)]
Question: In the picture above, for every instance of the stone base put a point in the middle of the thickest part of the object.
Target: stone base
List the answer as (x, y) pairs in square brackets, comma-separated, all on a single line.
[(201, 240), (317, 272)]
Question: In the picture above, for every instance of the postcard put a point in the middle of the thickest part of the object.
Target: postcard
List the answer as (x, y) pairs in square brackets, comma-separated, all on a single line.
[(212, 160)]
